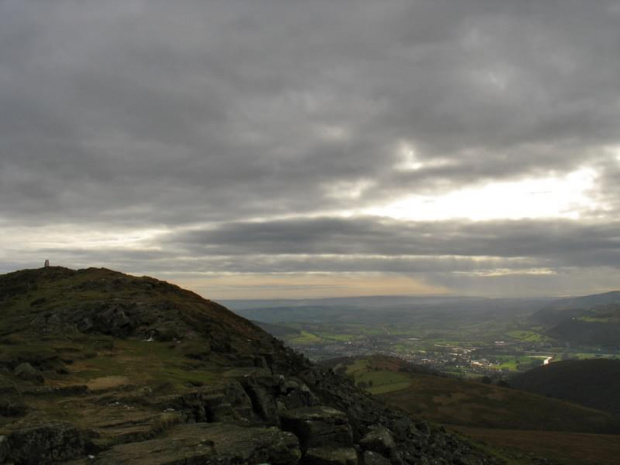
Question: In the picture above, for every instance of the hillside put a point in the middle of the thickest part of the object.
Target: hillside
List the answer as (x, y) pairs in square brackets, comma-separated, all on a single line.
[(103, 368), (594, 383), (585, 301), (453, 401), (592, 320)]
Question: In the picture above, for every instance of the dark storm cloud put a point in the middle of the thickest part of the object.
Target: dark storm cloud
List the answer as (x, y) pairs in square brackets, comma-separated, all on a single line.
[(171, 114)]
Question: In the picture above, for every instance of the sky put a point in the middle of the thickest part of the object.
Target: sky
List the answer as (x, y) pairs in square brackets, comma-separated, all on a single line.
[(271, 148)]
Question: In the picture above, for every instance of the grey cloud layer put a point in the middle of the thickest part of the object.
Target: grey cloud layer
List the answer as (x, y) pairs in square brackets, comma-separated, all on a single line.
[(544, 243), (192, 110), (151, 113)]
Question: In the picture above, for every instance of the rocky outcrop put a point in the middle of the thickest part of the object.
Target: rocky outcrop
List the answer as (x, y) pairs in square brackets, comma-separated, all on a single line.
[(319, 426), (27, 372), (372, 458), (48, 443), (4, 448), (379, 440), (207, 443), (331, 456)]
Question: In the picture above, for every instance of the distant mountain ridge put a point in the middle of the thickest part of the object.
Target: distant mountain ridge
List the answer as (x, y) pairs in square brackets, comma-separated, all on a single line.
[(371, 310), (374, 302), (590, 300)]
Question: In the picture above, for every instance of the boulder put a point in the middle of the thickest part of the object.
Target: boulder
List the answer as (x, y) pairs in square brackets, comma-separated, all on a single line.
[(227, 403), (318, 426), (260, 391), (47, 443), (295, 394), (27, 372), (372, 458), (198, 443), (330, 456), (4, 448), (379, 440)]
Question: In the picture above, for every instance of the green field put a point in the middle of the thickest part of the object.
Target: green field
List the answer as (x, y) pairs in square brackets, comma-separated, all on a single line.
[(514, 363), (305, 338), (526, 336)]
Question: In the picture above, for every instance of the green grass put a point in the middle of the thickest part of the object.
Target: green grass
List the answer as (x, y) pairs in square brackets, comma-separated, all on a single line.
[(305, 338), (359, 366), (145, 362), (334, 337), (526, 336), (513, 363), (377, 374)]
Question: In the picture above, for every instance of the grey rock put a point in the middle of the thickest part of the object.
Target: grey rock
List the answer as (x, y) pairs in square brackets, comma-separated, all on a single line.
[(330, 456), (200, 443), (227, 403), (295, 394), (318, 426), (4, 448), (380, 440), (372, 458), (27, 372), (48, 443), (264, 403)]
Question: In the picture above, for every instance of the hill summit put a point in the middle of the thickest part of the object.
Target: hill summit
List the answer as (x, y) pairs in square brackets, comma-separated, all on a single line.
[(99, 367)]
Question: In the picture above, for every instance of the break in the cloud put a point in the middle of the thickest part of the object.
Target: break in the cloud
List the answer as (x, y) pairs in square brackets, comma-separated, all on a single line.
[(263, 148)]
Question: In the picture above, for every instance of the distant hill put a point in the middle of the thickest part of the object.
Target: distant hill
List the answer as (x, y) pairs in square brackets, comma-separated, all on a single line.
[(562, 309), (593, 383), (445, 312), (592, 320), (598, 326), (587, 300)]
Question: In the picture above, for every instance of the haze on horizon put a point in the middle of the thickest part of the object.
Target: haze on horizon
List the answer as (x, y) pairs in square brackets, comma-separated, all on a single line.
[(268, 149)]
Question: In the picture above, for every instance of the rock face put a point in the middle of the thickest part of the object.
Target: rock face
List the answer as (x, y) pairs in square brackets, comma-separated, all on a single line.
[(27, 372), (379, 440), (142, 372), (201, 443), (319, 426), (49, 443)]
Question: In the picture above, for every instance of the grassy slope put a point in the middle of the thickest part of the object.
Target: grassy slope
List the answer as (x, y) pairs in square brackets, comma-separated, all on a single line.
[(473, 405), (461, 402), (109, 366), (561, 447), (594, 383), (450, 400)]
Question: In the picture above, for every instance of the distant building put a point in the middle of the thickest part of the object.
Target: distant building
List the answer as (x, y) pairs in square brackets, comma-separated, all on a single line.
[(47, 263)]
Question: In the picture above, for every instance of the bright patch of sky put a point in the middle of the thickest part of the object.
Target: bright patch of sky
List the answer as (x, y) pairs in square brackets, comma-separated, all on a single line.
[(566, 196), (409, 160)]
